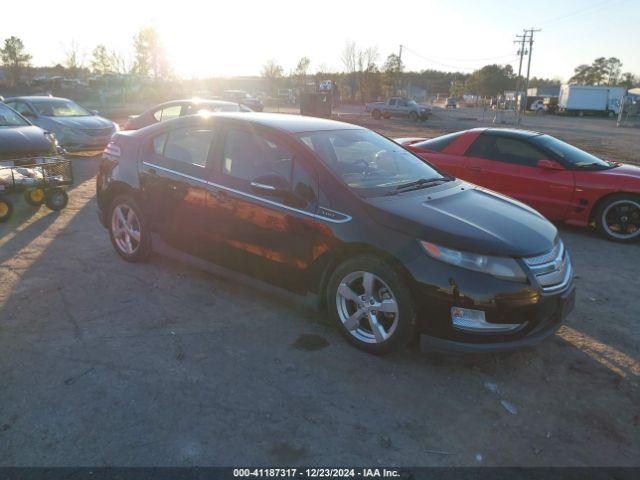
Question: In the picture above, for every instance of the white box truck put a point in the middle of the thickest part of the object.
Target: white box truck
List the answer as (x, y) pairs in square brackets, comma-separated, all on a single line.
[(581, 99)]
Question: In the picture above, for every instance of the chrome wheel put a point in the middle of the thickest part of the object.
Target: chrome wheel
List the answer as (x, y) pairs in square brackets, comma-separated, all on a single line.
[(621, 219), (367, 307), (125, 227)]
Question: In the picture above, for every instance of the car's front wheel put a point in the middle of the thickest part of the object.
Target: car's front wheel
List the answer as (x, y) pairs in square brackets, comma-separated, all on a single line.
[(618, 218), (128, 229), (371, 305)]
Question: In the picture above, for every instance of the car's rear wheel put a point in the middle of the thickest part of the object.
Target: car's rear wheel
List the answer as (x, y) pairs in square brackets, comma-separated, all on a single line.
[(371, 305), (6, 209), (618, 218), (128, 230), (376, 114), (34, 196)]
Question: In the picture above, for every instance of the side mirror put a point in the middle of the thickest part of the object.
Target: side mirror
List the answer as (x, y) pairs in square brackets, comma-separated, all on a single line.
[(549, 165), (272, 184), (94, 112), (28, 114)]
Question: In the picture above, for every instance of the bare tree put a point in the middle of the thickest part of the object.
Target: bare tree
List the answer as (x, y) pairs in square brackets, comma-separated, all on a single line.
[(102, 60), (150, 57), (73, 58), (271, 72), (119, 62), (300, 73), (14, 58), (349, 56)]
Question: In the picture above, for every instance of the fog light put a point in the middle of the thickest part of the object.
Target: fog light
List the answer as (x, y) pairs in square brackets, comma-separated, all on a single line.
[(474, 321)]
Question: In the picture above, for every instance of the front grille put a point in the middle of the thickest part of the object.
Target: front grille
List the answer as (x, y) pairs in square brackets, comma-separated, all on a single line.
[(97, 132), (553, 270)]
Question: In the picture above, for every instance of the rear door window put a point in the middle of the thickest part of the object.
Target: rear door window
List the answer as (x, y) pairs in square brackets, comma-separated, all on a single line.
[(185, 150)]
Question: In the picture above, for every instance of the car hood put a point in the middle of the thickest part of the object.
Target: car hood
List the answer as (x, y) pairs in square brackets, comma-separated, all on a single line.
[(465, 217), (92, 121), (23, 141), (615, 175)]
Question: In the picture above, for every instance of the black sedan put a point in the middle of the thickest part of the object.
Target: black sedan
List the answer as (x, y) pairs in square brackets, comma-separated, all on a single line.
[(388, 243)]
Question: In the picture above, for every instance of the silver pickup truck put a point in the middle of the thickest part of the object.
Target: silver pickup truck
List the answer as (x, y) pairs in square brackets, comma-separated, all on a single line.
[(399, 107)]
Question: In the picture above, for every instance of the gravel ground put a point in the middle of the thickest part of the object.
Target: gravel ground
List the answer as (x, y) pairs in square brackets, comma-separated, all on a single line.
[(108, 363)]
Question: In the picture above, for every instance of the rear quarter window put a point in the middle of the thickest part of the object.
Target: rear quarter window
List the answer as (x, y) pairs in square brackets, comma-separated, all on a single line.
[(439, 143)]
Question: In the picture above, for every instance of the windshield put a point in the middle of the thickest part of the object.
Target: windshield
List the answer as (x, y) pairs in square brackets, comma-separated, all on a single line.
[(10, 118), (570, 154), (59, 108), (368, 162)]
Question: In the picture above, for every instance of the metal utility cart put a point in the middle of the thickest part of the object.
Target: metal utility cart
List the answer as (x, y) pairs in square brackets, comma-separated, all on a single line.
[(41, 180)]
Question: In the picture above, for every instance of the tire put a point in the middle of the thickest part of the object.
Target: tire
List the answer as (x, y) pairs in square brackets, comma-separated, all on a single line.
[(34, 197), (376, 114), (413, 116), (124, 228), (619, 212), (6, 209), (56, 199), (353, 309)]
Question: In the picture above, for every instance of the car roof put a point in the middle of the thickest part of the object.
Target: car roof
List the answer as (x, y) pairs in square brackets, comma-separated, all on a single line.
[(37, 97), (193, 101), (285, 122)]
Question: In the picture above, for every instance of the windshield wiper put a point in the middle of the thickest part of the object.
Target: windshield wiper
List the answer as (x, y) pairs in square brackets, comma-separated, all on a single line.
[(420, 183)]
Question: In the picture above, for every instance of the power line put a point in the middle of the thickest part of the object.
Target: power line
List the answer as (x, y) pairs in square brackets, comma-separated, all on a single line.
[(582, 11), (456, 67)]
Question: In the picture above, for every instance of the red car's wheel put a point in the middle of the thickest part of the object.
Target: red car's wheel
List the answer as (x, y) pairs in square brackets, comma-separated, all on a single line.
[(618, 218)]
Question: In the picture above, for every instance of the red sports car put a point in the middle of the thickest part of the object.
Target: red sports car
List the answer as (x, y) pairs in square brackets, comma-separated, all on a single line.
[(559, 180)]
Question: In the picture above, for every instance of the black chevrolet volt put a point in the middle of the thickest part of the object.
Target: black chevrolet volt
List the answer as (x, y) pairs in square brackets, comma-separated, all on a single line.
[(389, 245)]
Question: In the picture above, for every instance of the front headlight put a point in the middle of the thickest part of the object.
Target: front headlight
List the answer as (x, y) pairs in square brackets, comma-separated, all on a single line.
[(501, 267)]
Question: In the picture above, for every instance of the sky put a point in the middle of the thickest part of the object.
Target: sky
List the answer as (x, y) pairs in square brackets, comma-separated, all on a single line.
[(228, 38)]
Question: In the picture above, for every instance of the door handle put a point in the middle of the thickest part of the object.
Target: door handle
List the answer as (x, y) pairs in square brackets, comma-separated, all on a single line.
[(152, 171), (475, 169)]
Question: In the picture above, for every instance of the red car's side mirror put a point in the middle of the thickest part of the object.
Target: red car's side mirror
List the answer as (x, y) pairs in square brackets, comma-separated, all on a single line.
[(549, 165)]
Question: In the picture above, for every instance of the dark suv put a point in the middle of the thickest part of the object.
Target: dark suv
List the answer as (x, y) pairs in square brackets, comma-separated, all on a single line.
[(390, 244)]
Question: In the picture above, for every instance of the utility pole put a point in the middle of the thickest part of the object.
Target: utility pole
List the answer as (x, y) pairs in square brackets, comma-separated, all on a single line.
[(399, 70), (521, 51), (531, 32)]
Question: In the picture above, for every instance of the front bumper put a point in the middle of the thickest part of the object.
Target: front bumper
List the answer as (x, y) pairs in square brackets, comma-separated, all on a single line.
[(79, 144), (75, 140), (545, 329), (439, 287)]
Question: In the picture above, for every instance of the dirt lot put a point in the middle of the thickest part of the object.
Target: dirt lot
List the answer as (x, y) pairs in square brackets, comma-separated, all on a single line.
[(108, 363)]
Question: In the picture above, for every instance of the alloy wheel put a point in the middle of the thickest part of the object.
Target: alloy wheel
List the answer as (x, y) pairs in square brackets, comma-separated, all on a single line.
[(621, 219), (367, 307), (125, 226)]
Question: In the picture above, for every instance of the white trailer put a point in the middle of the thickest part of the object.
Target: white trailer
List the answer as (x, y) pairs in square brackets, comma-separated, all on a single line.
[(581, 99)]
